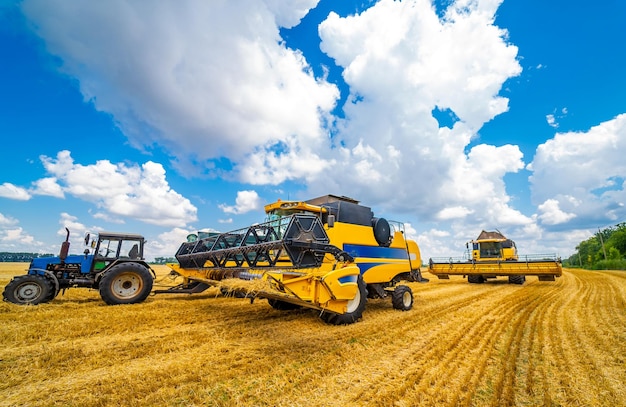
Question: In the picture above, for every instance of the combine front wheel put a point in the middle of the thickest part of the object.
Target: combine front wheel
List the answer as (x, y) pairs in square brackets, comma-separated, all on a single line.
[(475, 279), (402, 298), (126, 283), (517, 280), (29, 289), (355, 308)]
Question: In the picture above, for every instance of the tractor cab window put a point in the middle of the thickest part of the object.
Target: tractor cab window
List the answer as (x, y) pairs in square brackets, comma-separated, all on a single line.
[(130, 249), (108, 248), (115, 247), (279, 218)]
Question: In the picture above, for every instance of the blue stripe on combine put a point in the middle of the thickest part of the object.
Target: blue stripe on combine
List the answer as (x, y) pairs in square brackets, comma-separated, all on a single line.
[(376, 252), (347, 279)]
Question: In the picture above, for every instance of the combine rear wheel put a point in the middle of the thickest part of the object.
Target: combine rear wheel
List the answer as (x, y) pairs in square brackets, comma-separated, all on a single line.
[(517, 280), (29, 289), (356, 306), (402, 298), (126, 283)]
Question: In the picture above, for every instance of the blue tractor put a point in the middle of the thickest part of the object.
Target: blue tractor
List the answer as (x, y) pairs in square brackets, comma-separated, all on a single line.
[(112, 263)]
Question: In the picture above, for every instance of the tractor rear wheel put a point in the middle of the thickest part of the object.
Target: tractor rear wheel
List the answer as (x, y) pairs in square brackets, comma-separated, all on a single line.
[(355, 308), (126, 283), (29, 289), (402, 298)]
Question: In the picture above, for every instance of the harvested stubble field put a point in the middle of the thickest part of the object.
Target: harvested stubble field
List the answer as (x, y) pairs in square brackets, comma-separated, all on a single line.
[(543, 343)]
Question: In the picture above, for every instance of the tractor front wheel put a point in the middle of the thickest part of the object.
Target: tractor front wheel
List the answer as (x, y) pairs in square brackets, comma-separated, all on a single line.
[(355, 307), (402, 298), (29, 289), (126, 283)]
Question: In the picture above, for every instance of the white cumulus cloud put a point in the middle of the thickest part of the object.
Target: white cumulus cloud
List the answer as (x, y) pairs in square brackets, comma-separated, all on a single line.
[(121, 190), (401, 61), (551, 214), (48, 186), (8, 190), (203, 79), (582, 174), (7, 220), (246, 201)]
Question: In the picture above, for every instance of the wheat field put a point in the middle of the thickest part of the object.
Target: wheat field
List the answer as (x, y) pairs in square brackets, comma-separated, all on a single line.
[(557, 343)]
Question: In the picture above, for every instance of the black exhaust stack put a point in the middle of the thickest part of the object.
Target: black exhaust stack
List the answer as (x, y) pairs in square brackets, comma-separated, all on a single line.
[(65, 247)]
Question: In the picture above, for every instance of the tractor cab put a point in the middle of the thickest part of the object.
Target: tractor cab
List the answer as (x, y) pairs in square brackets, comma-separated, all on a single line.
[(106, 247)]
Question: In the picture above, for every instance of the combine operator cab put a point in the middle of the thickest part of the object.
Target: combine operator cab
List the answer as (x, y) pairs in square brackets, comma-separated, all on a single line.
[(493, 246), (112, 263)]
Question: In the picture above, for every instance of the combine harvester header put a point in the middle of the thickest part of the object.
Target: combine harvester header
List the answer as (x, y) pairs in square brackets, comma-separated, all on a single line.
[(492, 255)]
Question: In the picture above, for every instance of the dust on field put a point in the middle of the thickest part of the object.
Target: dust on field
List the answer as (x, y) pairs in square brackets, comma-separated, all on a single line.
[(543, 343)]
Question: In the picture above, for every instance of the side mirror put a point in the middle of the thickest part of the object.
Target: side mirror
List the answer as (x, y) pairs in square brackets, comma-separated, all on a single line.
[(87, 236), (331, 221)]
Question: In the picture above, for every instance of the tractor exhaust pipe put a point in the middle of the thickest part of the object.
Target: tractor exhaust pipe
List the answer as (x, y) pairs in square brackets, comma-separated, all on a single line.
[(65, 247)]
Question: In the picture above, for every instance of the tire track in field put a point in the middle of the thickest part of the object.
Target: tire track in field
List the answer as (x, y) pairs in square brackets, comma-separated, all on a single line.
[(488, 331), (444, 357), (509, 387), (571, 371), (609, 301), (594, 341), (534, 345), (511, 333), (557, 382), (422, 348)]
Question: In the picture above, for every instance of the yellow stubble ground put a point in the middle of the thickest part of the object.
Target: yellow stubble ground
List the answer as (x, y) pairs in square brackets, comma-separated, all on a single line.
[(543, 343)]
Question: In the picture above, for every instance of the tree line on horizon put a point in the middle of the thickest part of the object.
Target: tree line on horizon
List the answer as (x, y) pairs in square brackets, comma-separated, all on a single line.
[(21, 256), (606, 250)]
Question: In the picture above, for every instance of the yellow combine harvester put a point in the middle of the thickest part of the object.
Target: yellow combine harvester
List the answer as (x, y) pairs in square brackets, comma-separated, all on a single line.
[(492, 255), (327, 253)]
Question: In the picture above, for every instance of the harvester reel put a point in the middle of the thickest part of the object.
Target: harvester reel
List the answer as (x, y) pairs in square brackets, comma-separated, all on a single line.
[(303, 237), (304, 241)]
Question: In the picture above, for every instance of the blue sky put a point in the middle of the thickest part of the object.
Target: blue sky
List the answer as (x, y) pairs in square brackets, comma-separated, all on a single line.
[(450, 116)]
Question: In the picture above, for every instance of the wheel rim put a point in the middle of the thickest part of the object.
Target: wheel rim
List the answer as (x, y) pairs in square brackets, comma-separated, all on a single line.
[(28, 291), (407, 298), (353, 304), (126, 285)]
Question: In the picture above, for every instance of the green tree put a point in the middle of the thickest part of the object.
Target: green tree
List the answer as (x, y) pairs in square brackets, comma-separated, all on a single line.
[(588, 250), (613, 254), (618, 239)]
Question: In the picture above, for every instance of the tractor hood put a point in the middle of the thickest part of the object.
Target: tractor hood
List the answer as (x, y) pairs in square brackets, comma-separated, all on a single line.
[(42, 263)]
